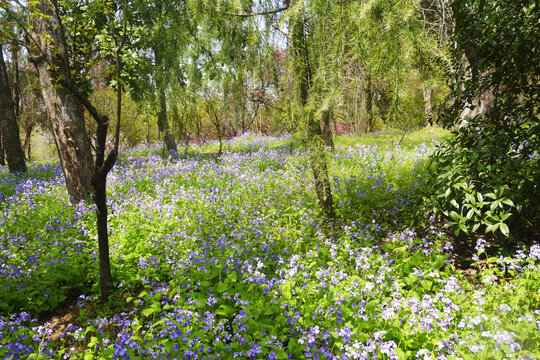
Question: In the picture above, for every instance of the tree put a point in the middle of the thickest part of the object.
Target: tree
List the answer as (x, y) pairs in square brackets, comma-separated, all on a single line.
[(163, 122), (9, 128), (168, 29), (314, 124), (488, 172), (303, 72), (64, 100), (48, 52)]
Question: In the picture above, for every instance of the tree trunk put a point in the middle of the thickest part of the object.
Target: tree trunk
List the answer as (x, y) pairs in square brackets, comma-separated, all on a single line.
[(27, 141), (64, 103), (65, 112), (326, 129), (99, 181), (16, 83), (163, 123), (369, 105), (2, 158), (302, 68), (11, 140), (428, 107), (484, 101), (383, 103)]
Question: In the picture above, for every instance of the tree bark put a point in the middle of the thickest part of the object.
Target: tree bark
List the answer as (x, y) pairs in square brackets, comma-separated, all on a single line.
[(484, 100), (65, 103), (16, 83), (11, 140), (369, 105), (2, 158), (99, 181), (302, 68), (28, 141), (65, 113), (163, 123), (428, 107), (326, 129)]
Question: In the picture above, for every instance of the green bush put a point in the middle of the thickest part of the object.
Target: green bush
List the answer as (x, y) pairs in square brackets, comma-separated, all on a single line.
[(487, 176)]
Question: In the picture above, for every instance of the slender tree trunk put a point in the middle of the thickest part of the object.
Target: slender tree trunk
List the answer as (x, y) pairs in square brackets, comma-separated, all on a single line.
[(369, 105), (214, 117), (27, 141), (8, 123), (163, 123), (302, 68), (428, 108), (383, 103), (16, 83), (148, 131), (65, 112), (2, 156), (99, 181)]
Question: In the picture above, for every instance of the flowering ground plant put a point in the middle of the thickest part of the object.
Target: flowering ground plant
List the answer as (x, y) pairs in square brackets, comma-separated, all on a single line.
[(229, 257)]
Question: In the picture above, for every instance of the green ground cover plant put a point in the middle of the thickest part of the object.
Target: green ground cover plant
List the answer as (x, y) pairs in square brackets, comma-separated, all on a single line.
[(229, 257)]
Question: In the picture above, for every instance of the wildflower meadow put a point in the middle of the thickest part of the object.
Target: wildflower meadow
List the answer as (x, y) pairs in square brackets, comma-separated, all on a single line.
[(223, 257)]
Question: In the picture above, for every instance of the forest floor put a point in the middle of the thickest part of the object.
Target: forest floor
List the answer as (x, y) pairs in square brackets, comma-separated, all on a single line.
[(229, 257)]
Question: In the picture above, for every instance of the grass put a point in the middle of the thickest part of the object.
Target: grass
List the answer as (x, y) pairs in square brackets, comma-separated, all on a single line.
[(387, 138), (219, 258)]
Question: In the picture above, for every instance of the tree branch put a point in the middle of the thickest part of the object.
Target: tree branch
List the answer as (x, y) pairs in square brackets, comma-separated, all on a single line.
[(265, 12), (83, 99)]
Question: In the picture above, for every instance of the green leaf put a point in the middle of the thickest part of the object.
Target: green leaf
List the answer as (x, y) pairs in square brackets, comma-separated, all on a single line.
[(448, 192), (504, 229), (232, 277), (220, 287), (455, 216), (280, 354), (286, 289), (508, 202), (224, 310), (147, 312), (426, 285), (372, 305), (505, 216), (330, 296)]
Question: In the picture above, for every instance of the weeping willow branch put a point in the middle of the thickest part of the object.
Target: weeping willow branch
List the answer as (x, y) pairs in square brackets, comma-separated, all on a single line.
[(257, 13)]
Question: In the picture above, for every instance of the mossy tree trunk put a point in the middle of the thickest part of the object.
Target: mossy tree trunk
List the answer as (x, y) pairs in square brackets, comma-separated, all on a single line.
[(303, 73), (9, 129), (326, 129), (163, 123)]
